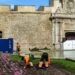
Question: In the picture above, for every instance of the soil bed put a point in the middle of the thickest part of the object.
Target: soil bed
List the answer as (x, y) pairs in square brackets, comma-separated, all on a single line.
[(52, 70)]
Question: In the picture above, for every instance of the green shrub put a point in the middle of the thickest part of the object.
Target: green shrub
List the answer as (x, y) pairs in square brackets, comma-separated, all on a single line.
[(35, 49), (46, 48)]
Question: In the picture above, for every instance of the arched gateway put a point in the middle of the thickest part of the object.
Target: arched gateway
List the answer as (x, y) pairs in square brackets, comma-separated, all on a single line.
[(70, 36)]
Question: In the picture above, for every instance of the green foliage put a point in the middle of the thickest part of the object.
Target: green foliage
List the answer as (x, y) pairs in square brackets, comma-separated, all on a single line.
[(35, 49), (46, 48), (38, 49), (16, 57)]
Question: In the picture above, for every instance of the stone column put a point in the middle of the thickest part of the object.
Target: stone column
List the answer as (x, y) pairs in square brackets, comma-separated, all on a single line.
[(53, 33), (58, 35)]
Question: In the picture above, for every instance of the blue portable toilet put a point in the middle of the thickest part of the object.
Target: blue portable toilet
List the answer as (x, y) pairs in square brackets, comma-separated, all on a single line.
[(6, 45), (10, 40)]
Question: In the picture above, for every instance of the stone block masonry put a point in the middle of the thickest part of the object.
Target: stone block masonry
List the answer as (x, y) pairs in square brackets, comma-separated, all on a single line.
[(29, 29)]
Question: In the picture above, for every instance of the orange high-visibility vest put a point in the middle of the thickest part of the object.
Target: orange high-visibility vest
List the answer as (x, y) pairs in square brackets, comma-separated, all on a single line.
[(26, 58)]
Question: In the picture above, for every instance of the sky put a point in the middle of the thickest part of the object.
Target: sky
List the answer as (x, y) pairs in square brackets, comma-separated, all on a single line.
[(36, 3)]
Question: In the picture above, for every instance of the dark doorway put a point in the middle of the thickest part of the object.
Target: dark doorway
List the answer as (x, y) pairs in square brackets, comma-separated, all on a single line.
[(0, 34), (64, 39), (70, 36)]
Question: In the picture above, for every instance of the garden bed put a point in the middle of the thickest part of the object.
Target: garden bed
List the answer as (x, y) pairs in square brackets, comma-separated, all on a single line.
[(61, 64)]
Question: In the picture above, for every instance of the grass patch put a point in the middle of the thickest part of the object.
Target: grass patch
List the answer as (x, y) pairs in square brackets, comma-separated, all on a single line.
[(19, 58), (16, 58), (66, 64), (36, 61)]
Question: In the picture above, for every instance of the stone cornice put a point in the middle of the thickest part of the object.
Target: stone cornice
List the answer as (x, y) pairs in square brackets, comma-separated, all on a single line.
[(62, 16)]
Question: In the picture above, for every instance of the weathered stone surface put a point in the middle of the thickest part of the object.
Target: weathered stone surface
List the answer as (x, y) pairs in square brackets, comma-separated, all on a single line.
[(29, 29)]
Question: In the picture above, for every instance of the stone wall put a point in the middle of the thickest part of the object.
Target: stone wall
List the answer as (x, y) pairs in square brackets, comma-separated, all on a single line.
[(22, 8), (29, 29), (4, 8)]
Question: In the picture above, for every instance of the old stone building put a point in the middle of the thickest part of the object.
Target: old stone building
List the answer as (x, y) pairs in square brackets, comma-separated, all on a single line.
[(63, 23), (48, 27)]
